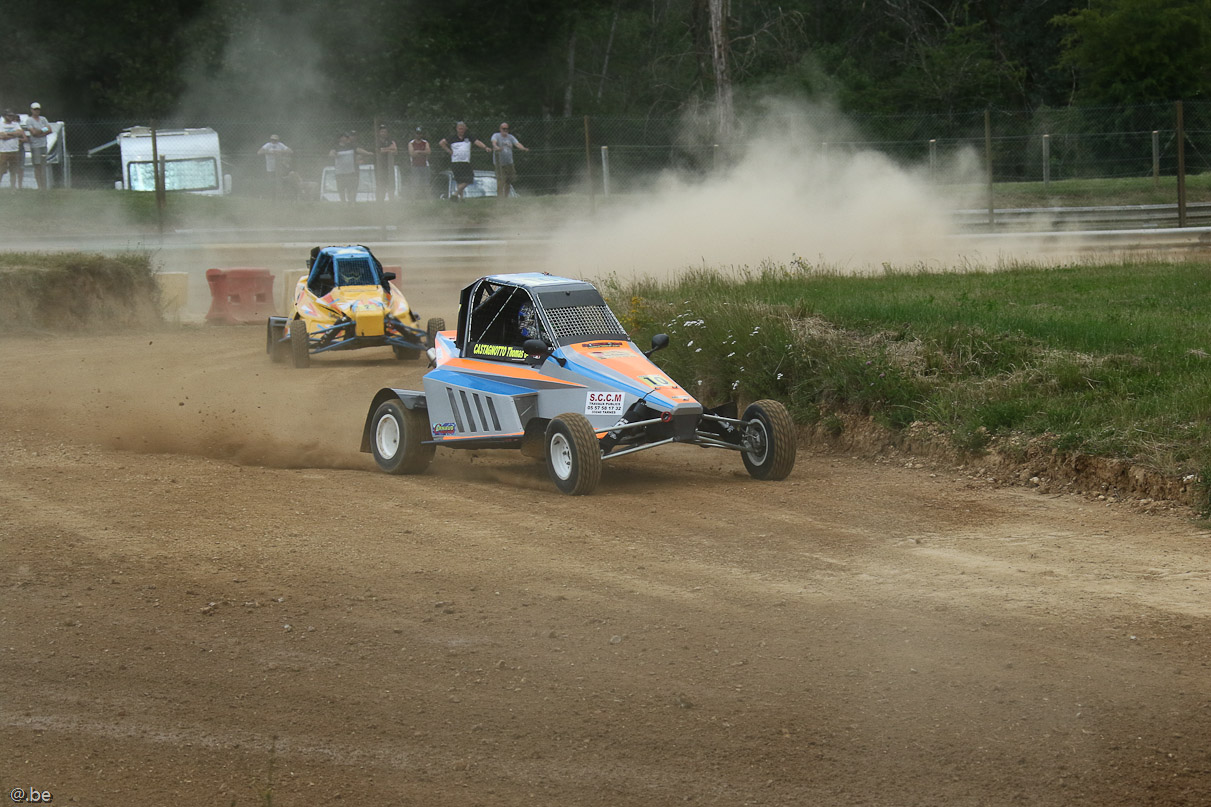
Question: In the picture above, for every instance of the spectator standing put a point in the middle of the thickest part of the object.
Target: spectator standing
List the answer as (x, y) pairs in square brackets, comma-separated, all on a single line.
[(384, 164), (458, 146), (346, 158), (503, 144), (36, 130), (11, 138), (277, 161), (418, 154)]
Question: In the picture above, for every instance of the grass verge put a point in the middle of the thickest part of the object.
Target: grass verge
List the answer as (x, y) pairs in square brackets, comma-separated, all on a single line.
[(1110, 360), (72, 292), (95, 211)]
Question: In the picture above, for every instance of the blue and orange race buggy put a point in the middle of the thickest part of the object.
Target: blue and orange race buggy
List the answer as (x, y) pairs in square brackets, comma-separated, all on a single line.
[(346, 301), (541, 363)]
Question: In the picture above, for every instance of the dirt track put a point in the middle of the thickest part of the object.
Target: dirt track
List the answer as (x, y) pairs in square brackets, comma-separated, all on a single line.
[(211, 598)]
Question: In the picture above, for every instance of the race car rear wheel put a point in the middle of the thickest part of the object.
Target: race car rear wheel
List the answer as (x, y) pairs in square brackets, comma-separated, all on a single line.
[(573, 454), (300, 345), (769, 440), (396, 434), (433, 327)]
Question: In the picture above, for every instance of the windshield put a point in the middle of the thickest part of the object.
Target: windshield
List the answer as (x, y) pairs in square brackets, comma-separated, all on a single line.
[(198, 174)]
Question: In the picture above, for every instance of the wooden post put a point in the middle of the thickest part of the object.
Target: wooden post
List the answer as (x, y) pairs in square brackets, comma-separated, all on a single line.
[(1181, 168), (992, 223), (588, 164), (933, 159), (158, 179)]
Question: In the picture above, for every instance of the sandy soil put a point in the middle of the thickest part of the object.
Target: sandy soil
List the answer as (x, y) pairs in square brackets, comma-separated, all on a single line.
[(211, 598)]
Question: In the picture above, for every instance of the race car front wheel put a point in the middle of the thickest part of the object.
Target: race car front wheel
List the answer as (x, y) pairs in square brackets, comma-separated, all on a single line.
[(274, 344), (769, 441), (396, 434), (573, 454), (300, 345)]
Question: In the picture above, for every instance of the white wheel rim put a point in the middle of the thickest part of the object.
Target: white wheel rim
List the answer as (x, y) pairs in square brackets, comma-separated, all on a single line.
[(386, 436), (759, 440), (560, 452)]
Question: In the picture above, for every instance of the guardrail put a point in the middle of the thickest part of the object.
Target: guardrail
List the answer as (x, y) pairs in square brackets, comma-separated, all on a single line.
[(1066, 219)]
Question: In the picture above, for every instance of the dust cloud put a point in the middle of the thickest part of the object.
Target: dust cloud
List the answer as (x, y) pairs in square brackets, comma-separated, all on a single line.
[(789, 195), (208, 392)]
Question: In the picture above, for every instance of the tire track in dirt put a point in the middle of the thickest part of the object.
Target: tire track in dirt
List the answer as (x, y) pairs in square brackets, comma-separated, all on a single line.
[(858, 634)]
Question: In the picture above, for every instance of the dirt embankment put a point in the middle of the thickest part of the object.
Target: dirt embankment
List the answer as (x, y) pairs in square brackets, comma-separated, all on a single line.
[(1034, 464)]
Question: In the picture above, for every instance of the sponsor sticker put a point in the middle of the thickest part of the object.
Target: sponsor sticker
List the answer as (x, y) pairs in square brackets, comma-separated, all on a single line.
[(603, 403), (611, 354), (443, 429), (601, 344)]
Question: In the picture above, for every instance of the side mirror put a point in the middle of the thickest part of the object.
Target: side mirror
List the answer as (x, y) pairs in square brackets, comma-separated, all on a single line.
[(659, 342), (388, 276), (536, 351)]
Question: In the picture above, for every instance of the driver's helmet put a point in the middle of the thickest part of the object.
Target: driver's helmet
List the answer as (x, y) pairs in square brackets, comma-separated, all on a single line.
[(527, 322)]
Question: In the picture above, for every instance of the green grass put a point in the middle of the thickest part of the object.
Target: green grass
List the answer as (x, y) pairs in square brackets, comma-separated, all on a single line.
[(1099, 192), (84, 212), (1109, 360), (80, 211)]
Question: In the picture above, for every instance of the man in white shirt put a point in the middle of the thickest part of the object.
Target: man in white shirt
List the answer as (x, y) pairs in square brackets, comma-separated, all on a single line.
[(277, 161), (37, 128), (12, 135), (458, 146)]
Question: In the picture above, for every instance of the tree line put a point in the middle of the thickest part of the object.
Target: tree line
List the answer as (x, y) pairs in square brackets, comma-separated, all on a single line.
[(272, 59)]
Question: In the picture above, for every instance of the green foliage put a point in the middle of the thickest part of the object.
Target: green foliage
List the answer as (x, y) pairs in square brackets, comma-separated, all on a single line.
[(1138, 51), (136, 60), (1111, 360)]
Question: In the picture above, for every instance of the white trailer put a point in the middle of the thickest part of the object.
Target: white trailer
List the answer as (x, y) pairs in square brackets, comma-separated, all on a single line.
[(191, 158)]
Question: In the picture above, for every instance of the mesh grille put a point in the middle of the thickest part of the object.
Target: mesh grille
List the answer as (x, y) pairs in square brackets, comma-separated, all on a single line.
[(356, 272), (584, 320)]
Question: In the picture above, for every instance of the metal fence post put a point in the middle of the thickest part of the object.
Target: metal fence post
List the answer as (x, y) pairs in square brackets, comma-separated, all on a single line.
[(605, 170), (1046, 160), (933, 159), (1181, 167), (1156, 157)]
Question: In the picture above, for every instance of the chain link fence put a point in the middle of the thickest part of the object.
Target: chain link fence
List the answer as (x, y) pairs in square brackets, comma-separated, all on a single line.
[(624, 155)]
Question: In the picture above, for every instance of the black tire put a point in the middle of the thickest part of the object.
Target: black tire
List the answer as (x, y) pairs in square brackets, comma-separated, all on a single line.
[(396, 433), (405, 353), (772, 441), (573, 454), (434, 325), (300, 344), (274, 346)]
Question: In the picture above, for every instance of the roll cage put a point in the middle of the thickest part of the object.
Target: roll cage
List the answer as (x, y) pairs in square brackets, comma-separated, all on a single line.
[(490, 311), (345, 266)]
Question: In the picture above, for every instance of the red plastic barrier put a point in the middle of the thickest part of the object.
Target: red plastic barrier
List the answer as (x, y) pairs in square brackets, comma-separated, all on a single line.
[(240, 295)]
